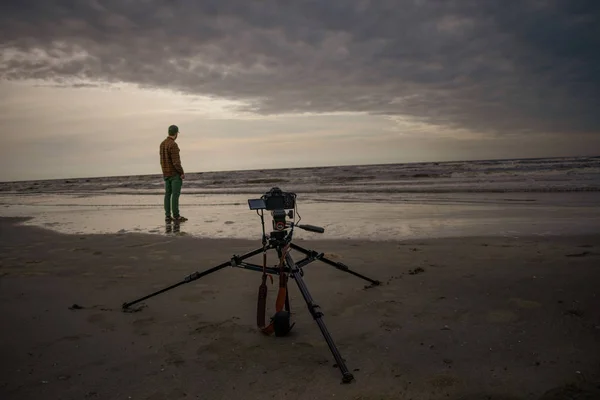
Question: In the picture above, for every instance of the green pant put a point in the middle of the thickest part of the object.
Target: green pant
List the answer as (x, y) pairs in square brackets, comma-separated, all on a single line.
[(172, 192)]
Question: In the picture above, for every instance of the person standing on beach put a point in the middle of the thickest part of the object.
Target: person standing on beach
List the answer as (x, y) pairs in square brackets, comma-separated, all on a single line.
[(173, 175)]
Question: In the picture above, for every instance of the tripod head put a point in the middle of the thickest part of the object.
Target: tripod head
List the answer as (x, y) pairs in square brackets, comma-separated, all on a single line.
[(282, 206)]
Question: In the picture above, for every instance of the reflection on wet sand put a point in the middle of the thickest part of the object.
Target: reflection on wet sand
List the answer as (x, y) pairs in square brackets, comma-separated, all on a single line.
[(471, 214), (172, 227)]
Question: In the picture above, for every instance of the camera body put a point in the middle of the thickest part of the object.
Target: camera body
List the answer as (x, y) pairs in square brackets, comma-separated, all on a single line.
[(276, 201)]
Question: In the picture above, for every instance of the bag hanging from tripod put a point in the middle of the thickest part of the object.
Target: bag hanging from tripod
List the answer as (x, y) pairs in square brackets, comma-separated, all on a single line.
[(280, 322)]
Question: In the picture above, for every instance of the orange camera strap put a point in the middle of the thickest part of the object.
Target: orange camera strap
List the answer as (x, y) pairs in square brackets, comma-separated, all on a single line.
[(262, 293)]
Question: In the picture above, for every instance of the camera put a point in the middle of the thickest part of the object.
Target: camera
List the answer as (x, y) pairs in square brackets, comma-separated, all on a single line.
[(274, 199)]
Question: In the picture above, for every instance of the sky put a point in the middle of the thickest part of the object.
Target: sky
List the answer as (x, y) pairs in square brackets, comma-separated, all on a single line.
[(89, 88)]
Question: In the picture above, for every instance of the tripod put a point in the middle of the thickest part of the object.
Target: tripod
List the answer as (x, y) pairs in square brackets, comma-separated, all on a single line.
[(279, 241)]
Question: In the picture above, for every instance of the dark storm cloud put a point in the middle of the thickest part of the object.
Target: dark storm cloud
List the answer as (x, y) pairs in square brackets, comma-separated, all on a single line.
[(521, 66)]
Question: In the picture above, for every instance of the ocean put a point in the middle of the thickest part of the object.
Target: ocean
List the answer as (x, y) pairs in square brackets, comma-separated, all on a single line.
[(543, 196), (528, 175)]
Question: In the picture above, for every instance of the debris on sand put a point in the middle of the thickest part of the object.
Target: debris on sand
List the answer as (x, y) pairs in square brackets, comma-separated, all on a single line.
[(572, 391), (76, 306), (575, 312), (416, 271), (585, 253), (134, 309)]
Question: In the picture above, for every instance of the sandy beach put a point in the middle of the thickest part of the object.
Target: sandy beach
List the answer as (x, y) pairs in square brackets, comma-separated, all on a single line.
[(455, 318), (436, 163)]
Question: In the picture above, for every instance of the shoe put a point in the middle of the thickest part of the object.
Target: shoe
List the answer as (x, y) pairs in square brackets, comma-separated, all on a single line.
[(179, 219), (168, 219)]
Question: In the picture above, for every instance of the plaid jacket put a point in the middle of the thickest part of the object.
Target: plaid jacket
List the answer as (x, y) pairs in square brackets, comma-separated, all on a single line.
[(169, 158)]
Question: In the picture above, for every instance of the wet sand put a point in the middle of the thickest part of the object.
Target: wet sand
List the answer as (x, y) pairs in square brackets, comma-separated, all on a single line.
[(375, 217), (455, 318)]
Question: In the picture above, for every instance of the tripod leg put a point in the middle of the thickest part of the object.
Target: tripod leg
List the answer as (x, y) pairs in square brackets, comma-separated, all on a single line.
[(311, 254), (317, 315), (194, 276), (189, 278)]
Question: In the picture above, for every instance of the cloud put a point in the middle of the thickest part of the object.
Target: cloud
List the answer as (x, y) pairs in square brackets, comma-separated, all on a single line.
[(486, 67)]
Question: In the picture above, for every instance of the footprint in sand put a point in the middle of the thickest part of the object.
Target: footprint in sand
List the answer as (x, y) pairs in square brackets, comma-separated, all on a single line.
[(390, 291), (143, 321), (174, 359), (140, 325), (198, 296), (444, 381), (384, 307), (34, 273), (100, 320), (227, 326), (106, 284), (120, 267), (96, 318), (389, 325), (348, 311), (585, 391), (501, 316), (305, 345), (527, 304), (80, 249), (149, 244), (192, 297), (74, 338), (333, 256)]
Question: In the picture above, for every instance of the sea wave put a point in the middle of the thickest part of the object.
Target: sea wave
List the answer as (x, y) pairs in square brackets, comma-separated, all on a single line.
[(567, 174)]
